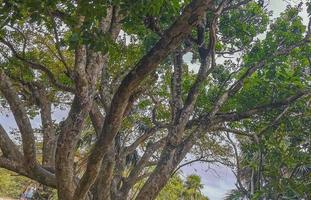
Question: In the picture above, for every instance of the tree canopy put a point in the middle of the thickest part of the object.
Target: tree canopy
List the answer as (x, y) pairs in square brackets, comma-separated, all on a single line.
[(146, 84)]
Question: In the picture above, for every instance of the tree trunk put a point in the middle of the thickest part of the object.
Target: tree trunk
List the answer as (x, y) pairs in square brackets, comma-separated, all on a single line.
[(102, 187), (49, 137), (170, 158)]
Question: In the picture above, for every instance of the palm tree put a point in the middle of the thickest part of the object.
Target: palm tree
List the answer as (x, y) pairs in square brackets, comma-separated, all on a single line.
[(193, 186), (234, 195)]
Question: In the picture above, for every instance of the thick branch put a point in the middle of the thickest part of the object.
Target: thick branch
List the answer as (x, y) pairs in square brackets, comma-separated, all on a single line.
[(11, 165), (170, 156), (171, 38), (7, 146), (37, 173), (88, 65), (176, 83), (134, 175), (97, 118), (141, 139), (21, 118), (205, 120), (235, 116), (207, 56)]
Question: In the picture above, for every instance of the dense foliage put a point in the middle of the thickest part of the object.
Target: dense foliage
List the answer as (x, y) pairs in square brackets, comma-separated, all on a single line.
[(128, 92)]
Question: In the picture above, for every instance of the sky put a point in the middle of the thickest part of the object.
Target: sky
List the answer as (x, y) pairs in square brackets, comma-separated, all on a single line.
[(217, 180)]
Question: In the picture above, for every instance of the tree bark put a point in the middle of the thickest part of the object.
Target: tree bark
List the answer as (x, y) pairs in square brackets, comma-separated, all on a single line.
[(103, 184), (49, 138), (169, 160), (22, 120), (170, 40)]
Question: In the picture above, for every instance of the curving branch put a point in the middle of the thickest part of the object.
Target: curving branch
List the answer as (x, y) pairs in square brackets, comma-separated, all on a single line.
[(21, 118), (88, 65), (49, 133), (173, 153), (201, 159), (39, 67), (134, 175), (169, 41), (234, 131), (274, 122), (12, 165), (176, 83), (57, 43), (238, 164), (205, 120), (97, 118), (7, 146), (236, 86), (235, 116)]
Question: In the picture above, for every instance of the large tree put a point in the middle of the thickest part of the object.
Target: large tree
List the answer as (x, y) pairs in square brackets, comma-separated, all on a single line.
[(136, 106)]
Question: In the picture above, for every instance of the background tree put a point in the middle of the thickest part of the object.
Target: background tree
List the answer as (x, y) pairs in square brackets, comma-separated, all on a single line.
[(189, 189), (194, 186), (272, 154), (135, 106), (276, 165)]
